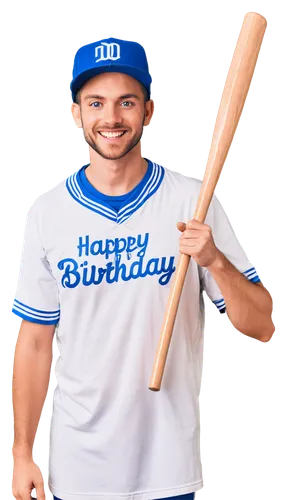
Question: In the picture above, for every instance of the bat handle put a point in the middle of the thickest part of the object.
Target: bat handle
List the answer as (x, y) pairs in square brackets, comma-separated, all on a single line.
[(173, 302), (168, 323)]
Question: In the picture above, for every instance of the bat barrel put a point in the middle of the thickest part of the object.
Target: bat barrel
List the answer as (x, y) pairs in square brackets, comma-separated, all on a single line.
[(237, 85)]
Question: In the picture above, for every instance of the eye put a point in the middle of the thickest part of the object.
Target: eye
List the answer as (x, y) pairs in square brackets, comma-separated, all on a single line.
[(129, 102), (96, 102)]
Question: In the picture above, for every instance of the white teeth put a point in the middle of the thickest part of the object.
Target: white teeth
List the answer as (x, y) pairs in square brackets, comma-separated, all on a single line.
[(111, 134)]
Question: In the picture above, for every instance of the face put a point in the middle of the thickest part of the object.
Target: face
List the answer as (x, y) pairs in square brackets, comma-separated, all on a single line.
[(107, 106)]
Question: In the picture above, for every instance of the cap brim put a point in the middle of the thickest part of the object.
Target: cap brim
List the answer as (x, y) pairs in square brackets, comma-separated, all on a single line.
[(78, 82)]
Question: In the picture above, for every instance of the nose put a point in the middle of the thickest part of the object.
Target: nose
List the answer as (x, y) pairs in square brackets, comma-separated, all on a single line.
[(112, 115)]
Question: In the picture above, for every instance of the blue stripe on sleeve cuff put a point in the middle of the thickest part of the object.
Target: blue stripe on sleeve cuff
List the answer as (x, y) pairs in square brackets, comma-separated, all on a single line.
[(220, 304), (252, 275), (36, 315), (30, 318)]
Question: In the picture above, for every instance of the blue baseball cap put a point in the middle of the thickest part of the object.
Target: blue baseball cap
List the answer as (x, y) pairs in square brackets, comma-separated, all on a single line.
[(110, 55)]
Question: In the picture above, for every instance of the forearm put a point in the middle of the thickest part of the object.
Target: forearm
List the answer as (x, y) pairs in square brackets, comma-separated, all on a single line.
[(31, 374), (248, 306)]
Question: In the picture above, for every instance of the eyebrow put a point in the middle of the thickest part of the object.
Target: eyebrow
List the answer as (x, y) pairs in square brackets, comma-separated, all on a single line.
[(125, 96)]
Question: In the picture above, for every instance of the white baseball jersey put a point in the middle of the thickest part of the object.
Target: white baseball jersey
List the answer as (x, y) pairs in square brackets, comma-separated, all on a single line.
[(103, 276)]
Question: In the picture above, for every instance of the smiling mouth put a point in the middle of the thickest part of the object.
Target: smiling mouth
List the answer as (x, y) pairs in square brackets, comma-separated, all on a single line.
[(112, 135)]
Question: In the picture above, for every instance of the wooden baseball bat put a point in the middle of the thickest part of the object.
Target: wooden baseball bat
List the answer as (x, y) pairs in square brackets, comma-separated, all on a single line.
[(231, 105)]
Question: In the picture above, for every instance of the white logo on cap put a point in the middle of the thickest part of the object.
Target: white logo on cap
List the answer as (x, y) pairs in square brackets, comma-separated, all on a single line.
[(106, 51)]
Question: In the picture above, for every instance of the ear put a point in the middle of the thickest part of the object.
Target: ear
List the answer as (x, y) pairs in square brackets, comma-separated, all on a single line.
[(149, 110), (75, 109)]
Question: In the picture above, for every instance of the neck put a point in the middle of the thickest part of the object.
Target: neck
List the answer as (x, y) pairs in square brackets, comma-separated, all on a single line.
[(116, 177)]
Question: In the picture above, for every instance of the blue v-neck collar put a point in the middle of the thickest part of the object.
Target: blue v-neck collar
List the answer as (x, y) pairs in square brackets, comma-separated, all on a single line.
[(84, 193)]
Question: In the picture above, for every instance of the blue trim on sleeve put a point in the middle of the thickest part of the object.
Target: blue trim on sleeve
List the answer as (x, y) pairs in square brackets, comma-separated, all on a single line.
[(35, 315), (220, 304), (251, 275), (34, 320), (46, 313), (256, 279)]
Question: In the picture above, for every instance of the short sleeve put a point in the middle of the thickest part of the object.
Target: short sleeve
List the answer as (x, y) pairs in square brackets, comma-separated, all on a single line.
[(227, 242), (36, 297)]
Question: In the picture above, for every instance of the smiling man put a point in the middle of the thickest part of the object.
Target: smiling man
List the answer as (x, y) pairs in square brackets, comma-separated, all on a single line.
[(99, 256), (113, 126)]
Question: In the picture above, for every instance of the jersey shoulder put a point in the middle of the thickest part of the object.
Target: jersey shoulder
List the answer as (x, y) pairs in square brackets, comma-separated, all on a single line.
[(51, 199), (177, 180), (187, 189)]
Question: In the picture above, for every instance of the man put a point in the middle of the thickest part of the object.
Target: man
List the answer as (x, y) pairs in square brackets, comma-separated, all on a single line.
[(99, 256)]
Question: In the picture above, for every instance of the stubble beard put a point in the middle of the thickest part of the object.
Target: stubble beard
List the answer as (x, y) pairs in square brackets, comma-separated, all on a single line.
[(113, 155)]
